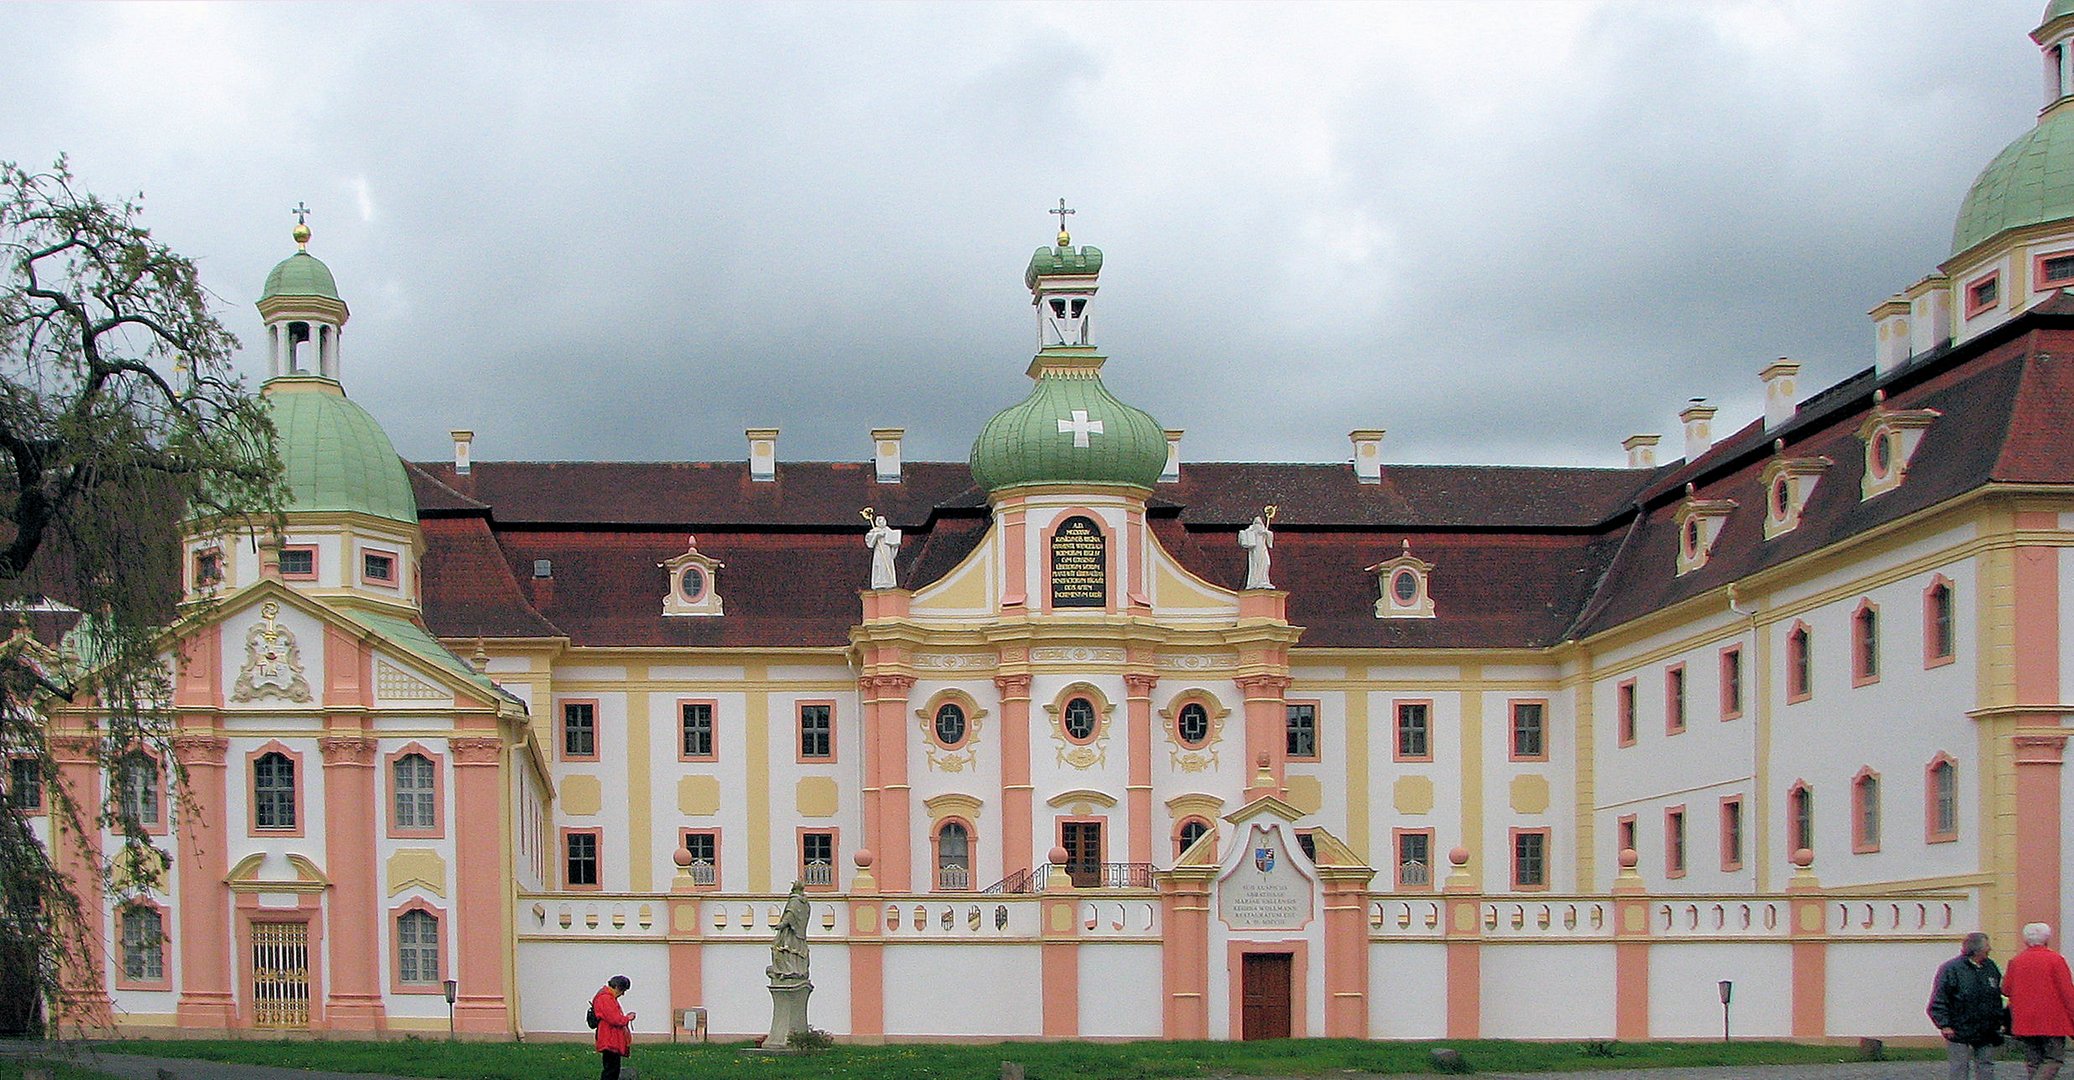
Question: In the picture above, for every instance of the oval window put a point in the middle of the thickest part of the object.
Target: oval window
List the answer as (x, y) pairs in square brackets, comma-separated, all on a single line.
[(1779, 497), (1882, 454), (1193, 725), (950, 724), (1404, 585), (1692, 536), (1080, 719), (691, 584)]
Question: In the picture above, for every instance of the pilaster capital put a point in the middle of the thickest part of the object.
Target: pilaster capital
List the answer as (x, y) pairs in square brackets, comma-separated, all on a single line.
[(476, 750), (200, 750), (75, 749), (1140, 683), (1264, 686), (2041, 749), (882, 687), (1013, 687), (347, 750)]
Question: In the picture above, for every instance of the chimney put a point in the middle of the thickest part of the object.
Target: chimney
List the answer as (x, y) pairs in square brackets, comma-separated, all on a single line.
[(885, 453), (1699, 427), (763, 453), (1893, 338), (1641, 450), (1368, 454), (464, 443), (1172, 472), (1781, 392)]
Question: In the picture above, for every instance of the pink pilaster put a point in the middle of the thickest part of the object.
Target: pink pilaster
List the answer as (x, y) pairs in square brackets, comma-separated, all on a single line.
[(1462, 929), (867, 953), (1017, 824), (354, 1002), (1265, 738), (1630, 952), (1060, 964), (1184, 948), (2039, 758), (885, 706), (1808, 932), (83, 984), (202, 848), (479, 886), (1138, 794), (1346, 953)]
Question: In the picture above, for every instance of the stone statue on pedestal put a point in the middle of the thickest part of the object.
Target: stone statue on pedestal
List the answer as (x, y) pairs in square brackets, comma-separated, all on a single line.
[(1257, 539), (789, 983), (884, 542)]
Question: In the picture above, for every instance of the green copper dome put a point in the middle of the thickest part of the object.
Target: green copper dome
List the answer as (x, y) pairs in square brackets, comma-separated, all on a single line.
[(1064, 261), (1070, 430), (301, 274), (336, 457), (2029, 183)]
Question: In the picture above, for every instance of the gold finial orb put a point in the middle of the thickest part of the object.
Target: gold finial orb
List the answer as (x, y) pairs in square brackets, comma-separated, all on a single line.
[(302, 235), (1065, 238)]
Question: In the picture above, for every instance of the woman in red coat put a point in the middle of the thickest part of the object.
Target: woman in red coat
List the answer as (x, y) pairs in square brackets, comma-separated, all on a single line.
[(613, 1041)]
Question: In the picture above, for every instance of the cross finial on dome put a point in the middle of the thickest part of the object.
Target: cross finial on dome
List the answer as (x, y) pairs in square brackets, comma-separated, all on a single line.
[(1065, 238), (302, 228)]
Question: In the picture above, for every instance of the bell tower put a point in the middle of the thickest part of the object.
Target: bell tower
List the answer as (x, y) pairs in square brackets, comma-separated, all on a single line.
[(303, 312), (1062, 284)]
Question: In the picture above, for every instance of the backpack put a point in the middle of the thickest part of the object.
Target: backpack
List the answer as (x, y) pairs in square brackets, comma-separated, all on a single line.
[(590, 1015)]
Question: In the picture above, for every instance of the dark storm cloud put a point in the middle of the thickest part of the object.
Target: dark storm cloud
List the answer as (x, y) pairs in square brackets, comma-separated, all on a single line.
[(1506, 232)]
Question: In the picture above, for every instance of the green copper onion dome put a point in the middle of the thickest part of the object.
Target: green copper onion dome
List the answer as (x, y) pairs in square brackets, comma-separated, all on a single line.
[(336, 457), (1071, 430), (2029, 183)]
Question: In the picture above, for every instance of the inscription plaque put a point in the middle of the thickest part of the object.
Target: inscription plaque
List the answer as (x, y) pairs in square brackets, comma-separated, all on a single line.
[(1079, 564)]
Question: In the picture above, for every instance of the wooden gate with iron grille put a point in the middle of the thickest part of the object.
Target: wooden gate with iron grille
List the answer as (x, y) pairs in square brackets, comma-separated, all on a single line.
[(281, 974)]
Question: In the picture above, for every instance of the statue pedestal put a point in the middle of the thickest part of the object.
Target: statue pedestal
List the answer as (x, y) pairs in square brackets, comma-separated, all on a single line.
[(788, 1014)]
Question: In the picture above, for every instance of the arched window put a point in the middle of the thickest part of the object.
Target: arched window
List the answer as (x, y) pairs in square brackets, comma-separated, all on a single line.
[(1942, 799), (416, 791), (1799, 672), (1191, 830), (417, 948), (273, 791), (1865, 645), (1865, 812), (1938, 638), (953, 856), (1800, 818)]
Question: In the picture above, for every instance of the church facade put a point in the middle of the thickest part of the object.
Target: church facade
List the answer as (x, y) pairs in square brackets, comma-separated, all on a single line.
[(1083, 739)]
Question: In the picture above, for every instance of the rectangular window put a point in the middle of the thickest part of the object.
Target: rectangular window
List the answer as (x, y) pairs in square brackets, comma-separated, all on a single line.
[(816, 732), (703, 845), (1983, 294), (1624, 835), (696, 731), (817, 859), (1624, 713), (143, 945), (417, 948), (25, 783), (1732, 833), (1414, 859), (1530, 731), (580, 858), (1529, 859), (273, 792), (1674, 842), (299, 563), (1732, 682), (579, 731), (1414, 731), (414, 787), (208, 567), (2055, 269), (1674, 699), (1301, 725), (378, 567), (137, 776)]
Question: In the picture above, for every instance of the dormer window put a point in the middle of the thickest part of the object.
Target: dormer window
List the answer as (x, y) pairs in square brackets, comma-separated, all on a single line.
[(378, 568), (208, 568), (1699, 523), (2054, 270), (299, 563), (1983, 294), (1789, 483), (1891, 437), (1404, 584), (692, 589)]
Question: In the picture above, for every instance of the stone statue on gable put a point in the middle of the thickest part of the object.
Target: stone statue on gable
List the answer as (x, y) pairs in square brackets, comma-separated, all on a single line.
[(1257, 539), (884, 542)]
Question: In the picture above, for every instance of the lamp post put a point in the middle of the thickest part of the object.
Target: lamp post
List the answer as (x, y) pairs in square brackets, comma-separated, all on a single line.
[(1727, 988), (452, 986)]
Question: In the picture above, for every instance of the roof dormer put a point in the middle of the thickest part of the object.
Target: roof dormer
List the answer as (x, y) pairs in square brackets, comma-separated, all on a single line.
[(1788, 484), (1890, 437), (1699, 524), (1405, 583), (693, 582)]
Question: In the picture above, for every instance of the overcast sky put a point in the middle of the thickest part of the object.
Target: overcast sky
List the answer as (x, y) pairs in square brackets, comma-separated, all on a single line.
[(1506, 232)]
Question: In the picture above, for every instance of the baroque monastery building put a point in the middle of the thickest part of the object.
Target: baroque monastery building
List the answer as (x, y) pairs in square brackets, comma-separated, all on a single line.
[(1080, 738)]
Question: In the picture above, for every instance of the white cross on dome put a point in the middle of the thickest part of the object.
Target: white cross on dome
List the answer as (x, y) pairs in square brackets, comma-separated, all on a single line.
[(1080, 427)]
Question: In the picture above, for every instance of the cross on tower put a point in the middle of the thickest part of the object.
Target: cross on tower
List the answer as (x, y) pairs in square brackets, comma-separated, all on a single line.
[(1080, 427), (1062, 212), (302, 212)]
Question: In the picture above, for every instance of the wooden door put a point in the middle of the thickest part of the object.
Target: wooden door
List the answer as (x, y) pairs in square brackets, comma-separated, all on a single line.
[(1264, 986), (1083, 843)]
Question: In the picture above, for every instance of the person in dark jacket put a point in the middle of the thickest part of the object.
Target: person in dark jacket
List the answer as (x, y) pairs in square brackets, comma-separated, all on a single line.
[(614, 1042), (1966, 1005)]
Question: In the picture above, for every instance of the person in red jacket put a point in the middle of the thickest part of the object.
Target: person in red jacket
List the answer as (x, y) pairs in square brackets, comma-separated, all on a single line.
[(614, 1042), (2041, 1003)]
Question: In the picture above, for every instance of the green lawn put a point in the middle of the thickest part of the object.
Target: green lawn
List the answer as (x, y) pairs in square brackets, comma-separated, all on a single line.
[(1045, 1061)]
